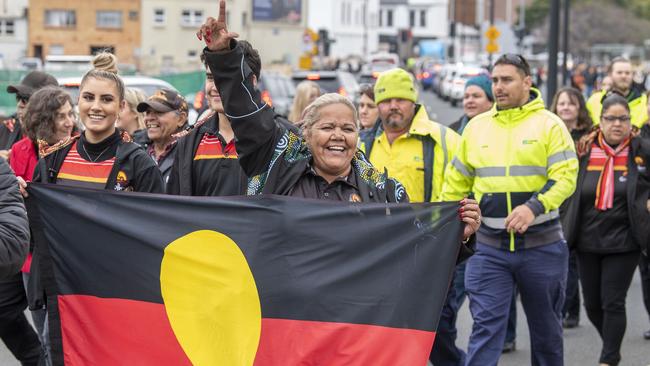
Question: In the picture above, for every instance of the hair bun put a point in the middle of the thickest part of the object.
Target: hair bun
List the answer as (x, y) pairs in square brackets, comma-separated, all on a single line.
[(105, 61)]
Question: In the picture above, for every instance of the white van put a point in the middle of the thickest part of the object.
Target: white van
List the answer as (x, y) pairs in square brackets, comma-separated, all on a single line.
[(79, 63)]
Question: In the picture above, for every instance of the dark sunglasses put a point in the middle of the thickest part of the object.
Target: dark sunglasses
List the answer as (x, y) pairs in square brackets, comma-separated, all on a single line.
[(516, 60), (21, 98)]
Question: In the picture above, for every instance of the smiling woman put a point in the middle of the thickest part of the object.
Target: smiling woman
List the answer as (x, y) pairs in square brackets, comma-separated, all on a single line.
[(102, 157)]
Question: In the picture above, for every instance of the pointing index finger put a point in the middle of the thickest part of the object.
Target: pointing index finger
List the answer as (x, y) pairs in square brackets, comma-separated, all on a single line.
[(222, 11)]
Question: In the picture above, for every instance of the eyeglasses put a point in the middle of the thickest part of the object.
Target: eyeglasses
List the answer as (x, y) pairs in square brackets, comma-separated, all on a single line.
[(22, 98), (612, 119)]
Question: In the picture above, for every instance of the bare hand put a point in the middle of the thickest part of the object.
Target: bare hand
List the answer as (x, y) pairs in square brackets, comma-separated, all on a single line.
[(470, 214), (215, 31), (22, 186), (520, 219), (5, 154)]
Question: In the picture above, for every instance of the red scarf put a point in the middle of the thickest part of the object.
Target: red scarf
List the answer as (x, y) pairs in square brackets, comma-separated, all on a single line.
[(606, 159)]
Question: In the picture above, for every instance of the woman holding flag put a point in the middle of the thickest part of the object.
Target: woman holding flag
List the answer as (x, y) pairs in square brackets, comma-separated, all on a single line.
[(323, 163)]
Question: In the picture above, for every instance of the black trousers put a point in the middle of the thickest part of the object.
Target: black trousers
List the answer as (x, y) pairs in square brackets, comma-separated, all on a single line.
[(572, 301), (644, 269), (15, 331), (605, 280)]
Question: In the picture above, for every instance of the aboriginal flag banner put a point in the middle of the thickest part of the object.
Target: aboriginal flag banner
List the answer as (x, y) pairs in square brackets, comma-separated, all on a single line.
[(137, 279)]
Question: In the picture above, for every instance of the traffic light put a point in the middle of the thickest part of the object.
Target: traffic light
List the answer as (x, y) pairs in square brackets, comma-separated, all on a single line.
[(325, 40), (405, 35)]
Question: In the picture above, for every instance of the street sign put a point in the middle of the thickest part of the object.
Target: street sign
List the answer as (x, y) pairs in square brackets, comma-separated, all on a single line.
[(492, 47), (492, 33)]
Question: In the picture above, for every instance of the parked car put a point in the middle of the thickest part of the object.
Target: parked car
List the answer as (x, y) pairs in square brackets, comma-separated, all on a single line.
[(457, 85), (146, 84), (341, 82), (277, 91), (427, 71)]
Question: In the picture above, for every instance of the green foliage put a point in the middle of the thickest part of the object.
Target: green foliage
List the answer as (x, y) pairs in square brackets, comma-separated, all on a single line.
[(538, 10)]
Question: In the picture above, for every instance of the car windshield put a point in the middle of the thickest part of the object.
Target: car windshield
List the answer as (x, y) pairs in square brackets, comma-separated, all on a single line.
[(327, 84)]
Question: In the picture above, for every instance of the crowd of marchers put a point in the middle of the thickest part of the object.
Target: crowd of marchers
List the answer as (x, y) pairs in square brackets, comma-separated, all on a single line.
[(550, 199)]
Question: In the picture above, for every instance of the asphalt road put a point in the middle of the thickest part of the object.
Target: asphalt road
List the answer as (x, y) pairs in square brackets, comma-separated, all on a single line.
[(581, 345)]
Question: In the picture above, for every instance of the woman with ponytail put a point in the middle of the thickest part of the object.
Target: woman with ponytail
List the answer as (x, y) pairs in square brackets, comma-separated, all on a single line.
[(607, 221), (103, 156)]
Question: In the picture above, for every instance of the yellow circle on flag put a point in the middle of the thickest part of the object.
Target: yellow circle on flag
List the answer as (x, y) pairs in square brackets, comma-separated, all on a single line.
[(211, 299)]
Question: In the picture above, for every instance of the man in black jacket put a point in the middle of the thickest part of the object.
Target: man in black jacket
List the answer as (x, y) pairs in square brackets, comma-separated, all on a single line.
[(15, 331), (206, 161)]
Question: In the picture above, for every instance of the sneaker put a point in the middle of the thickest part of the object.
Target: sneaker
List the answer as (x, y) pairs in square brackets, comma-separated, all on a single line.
[(509, 347), (646, 335), (570, 321)]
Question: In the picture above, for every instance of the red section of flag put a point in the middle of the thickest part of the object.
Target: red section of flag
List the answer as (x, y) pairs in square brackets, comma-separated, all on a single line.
[(300, 342), (99, 331)]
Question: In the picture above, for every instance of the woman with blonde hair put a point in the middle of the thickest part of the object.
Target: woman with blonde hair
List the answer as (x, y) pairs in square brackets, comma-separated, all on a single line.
[(130, 120), (306, 92)]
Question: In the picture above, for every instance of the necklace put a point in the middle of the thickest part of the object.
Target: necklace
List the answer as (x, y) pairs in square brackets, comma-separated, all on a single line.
[(98, 156)]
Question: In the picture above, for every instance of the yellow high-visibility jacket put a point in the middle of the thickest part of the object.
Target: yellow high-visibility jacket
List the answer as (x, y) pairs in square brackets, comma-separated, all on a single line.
[(638, 108), (511, 157), (417, 159)]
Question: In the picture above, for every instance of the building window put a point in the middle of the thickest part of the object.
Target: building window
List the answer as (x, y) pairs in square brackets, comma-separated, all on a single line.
[(60, 18), (191, 17), (109, 19), (423, 18), (191, 54), (133, 15), (389, 18), (159, 16), (244, 19), (343, 9), (381, 18), (9, 27), (349, 14), (411, 18), (56, 49)]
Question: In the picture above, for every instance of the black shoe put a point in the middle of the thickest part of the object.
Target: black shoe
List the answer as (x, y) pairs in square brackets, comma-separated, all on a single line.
[(646, 335), (509, 347), (570, 321)]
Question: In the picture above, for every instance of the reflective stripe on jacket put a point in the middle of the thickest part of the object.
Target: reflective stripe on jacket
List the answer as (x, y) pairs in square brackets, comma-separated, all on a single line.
[(417, 159), (511, 157)]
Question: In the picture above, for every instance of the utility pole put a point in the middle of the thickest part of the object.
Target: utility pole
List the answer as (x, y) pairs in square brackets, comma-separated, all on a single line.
[(452, 29), (565, 42), (491, 25), (365, 30), (553, 40)]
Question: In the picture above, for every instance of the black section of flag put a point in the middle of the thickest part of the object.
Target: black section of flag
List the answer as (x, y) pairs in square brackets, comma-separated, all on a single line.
[(312, 260)]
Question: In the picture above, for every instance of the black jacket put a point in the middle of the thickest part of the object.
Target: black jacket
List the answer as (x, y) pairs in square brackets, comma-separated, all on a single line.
[(8, 137), (14, 230), (142, 174), (165, 166), (131, 162), (273, 156), (638, 186)]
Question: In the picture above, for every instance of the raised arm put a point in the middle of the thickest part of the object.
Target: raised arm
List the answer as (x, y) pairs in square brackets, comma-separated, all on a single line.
[(252, 120)]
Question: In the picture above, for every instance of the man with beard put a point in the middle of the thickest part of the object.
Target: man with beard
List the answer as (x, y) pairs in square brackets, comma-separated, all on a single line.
[(415, 150), (621, 74), (519, 161), (412, 148)]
